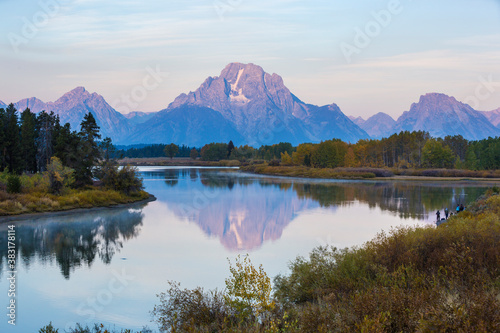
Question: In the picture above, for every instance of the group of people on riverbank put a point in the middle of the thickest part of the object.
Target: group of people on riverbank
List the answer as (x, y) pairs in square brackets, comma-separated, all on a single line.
[(460, 208)]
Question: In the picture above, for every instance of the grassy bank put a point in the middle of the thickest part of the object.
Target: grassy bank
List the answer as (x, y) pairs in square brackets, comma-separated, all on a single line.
[(28, 194), (177, 161), (38, 202), (324, 173), (366, 173)]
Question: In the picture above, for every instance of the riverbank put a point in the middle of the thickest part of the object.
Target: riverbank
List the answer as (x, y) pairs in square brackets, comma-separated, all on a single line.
[(31, 205), (73, 211), (177, 161), (372, 173)]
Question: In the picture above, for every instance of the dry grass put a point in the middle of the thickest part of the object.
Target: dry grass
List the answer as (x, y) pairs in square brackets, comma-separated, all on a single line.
[(305, 172), (36, 202), (177, 161)]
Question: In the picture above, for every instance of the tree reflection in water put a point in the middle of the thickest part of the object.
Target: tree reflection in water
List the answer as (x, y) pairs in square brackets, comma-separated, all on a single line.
[(74, 240), (244, 211)]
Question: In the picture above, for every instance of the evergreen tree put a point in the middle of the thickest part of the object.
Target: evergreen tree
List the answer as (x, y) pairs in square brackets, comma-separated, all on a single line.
[(12, 147), (28, 140), (107, 149), (230, 147), (3, 164), (46, 124), (88, 150), (66, 145), (307, 160)]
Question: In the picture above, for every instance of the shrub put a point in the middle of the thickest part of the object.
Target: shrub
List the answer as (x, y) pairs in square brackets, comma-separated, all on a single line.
[(59, 176), (125, 179), (274, 163), (14, 184), (191, 310)]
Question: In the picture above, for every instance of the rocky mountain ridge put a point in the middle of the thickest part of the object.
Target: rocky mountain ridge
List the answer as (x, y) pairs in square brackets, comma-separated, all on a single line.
[(249, 106)]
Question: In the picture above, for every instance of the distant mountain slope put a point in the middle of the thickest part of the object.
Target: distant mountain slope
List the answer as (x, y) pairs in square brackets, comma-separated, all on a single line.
[(72, 107), (329, 122), (379, 126), (357, 120), (493, 117), (442, 115), (138, 117), (188, 125), (264, 111)]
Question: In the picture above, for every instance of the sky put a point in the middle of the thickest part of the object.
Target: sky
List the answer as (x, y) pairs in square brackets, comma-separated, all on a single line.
[(367, 56)]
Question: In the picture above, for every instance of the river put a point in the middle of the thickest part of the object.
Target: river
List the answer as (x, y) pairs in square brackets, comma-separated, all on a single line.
[(107, 266)]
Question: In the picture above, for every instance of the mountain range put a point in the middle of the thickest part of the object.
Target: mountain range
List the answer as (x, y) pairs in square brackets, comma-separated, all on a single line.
[(72, 107), (438, 114), (493, 117), (249, 106)]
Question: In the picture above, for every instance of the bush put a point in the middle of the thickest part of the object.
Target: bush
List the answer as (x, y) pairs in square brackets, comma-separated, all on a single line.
[(274, 163), (125, 179), (59, 176), (14, 184), (191, 310)]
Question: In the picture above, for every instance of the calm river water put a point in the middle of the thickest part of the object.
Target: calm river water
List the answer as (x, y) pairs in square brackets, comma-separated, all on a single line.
[(107, 266)]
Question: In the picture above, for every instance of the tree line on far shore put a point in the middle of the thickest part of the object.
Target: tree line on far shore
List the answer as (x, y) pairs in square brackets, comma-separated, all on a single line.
[(405, 150)]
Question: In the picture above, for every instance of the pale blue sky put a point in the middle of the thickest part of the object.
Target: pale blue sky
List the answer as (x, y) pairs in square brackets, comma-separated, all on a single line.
[(106, 46)]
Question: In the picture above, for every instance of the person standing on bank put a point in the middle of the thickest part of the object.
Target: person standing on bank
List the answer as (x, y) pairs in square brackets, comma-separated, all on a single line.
[(446, 212), (438, 215)]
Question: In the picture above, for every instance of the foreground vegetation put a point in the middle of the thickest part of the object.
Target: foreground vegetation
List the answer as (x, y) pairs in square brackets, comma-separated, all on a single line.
[(444, 279), (412, 279)]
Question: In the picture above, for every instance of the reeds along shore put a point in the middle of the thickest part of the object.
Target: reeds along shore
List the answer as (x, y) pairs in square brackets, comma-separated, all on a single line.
[(365, 173)]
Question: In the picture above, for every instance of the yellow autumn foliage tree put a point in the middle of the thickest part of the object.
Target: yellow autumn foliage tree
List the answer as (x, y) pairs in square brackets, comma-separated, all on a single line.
[(286, 159), (249, 290)]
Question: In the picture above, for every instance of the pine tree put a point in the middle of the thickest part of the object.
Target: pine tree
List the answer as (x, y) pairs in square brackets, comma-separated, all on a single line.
[(28, 140), (66, 145), (46, 124), (12, 140), (3, 164), (88, 150), (230, 147), (107, 149)]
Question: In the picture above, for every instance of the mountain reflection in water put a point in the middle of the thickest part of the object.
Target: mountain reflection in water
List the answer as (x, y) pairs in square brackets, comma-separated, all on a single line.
[(244, 211)]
